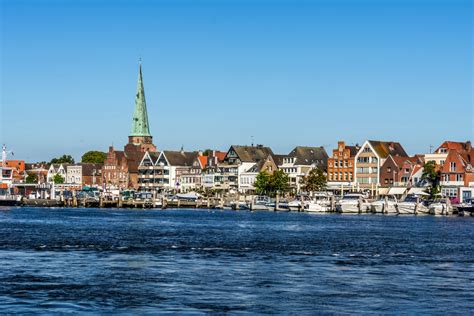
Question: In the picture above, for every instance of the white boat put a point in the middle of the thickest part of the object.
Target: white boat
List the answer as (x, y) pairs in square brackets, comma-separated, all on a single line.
[(466, 208), (385, 205), (353, 203), (294, 205), (441, 207), (321, 202), (411, 205), (315, 207), (260, 203)]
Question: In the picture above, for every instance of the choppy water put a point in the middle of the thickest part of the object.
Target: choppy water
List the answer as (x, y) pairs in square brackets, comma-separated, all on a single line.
[(82, 260)]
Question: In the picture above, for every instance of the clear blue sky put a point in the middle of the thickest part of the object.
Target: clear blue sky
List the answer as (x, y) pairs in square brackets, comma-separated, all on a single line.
[(218, 72)]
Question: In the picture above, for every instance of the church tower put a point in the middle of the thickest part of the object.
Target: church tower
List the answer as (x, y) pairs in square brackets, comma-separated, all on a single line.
[(140, 138)]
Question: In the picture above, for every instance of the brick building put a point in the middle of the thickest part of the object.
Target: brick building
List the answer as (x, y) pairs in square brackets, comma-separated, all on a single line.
[(341, 164)]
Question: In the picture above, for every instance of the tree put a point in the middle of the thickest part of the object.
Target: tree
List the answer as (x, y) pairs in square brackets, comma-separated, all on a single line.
[(262, 183), (63, 159), (279, 182), (31, 178), (432, 176), (94, 156), (58, 179), (207, 152), (314, 181)]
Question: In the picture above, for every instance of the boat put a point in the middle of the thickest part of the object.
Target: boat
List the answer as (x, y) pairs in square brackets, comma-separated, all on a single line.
[(239, 205), (385, 205), (353, 203), (411, 205), (260, 203), (441, 206), (295, 205), (320, 203), (466, 208)]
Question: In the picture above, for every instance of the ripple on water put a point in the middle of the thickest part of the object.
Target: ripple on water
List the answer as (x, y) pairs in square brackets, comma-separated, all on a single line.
[(82, 260)]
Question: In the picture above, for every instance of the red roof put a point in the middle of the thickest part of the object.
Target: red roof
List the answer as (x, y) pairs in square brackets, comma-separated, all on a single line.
[(220, 155), (203, 161)]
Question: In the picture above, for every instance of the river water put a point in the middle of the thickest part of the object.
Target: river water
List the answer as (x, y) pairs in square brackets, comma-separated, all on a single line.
[(129, 261)]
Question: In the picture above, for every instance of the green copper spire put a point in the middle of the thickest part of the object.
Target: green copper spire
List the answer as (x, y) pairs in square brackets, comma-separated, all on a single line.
[(140, 125)]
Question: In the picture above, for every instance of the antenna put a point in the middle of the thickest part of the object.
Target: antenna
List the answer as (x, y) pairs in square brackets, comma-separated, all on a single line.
[(431, 149), (251, 137)]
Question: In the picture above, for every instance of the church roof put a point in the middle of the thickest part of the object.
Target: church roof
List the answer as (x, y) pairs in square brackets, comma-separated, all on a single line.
[(140, 126)]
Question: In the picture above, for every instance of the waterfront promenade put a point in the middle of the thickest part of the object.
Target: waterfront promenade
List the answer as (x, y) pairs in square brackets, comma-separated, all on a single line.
[(84, 260)]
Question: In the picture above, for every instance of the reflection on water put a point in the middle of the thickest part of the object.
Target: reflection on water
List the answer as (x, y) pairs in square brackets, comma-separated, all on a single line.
[(79, 260)]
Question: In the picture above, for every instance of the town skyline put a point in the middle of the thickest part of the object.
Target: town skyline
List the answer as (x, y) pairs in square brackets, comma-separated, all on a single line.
[(280, 81)]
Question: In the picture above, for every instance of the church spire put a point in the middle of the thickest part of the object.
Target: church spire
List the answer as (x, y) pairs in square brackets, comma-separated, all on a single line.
[(140, 125)]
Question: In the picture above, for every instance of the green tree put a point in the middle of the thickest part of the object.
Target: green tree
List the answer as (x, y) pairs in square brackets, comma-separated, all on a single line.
[(279, 182), (58, 179), (314, 181), (432, 176), (63, 159), (262, 183), (31, 178), (94, 156), (207, 152)]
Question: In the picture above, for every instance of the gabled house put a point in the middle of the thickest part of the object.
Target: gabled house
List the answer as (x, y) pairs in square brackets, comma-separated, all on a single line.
[(148, 175), (399, 171), (457, 172), (341, 165), (369, 159), (170, 171), (55, 169), (210, 173), (299, 162), (238, 161), (115, 170), (247, 178)]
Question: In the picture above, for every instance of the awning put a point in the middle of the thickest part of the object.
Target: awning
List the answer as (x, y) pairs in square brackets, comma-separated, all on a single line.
[(397, 191), (418, 191), (383, 191)]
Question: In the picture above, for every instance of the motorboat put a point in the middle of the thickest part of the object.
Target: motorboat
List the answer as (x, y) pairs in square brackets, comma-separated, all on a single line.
[(239, 205), (466, 208), (441, 206), (411, 205), (260, 203), (298, 203), (321, 202), (353, 203), (386, 205)]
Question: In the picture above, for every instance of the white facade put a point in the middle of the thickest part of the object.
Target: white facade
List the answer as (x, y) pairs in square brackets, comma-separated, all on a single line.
[(74, 174), (366, 167), (56, 169)]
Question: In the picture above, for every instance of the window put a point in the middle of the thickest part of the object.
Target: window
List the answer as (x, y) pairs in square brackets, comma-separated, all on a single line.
[(367, 149), (459, 177), (389, 169), (452, 167)]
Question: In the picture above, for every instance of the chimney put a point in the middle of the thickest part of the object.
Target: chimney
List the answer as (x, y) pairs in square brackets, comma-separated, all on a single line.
[(468, 145)]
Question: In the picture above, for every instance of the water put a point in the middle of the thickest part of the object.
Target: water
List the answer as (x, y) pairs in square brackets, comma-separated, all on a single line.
[(83, 260)]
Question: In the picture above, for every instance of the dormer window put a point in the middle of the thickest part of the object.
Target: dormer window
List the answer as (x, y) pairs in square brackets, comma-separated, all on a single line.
[(452, 167)]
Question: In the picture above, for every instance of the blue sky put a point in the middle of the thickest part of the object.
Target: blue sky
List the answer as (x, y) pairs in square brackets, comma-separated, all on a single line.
[(217, 73)]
